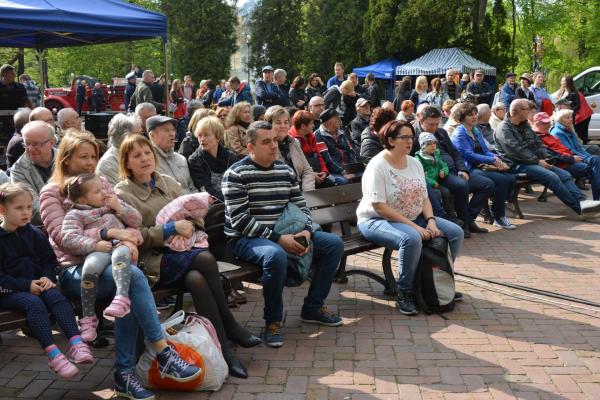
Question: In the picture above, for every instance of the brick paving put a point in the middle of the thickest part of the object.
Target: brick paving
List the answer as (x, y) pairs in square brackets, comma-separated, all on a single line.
[(494, 346)]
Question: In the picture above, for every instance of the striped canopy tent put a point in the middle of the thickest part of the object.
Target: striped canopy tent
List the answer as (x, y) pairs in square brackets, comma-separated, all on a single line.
[(438, 61)]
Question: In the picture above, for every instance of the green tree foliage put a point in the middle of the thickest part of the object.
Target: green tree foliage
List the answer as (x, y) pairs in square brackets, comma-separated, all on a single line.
[(276, 35), (378, 28), (333, 33), (203, 35)]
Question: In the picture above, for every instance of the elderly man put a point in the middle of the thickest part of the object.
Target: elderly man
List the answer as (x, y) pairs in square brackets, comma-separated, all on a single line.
[(280, 76), (254, 239), (267, 92), (523, 151), (361, 121), (118, 128), (42, 114), (15, 148), (36, 165), (144, 111), (68, 119), (161, 131), (481, 90), (339, 151), (143, 92), (338, 78), (316, 106)]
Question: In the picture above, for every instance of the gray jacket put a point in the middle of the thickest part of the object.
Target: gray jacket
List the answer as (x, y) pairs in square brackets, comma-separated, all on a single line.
[(25, 171), (518, 144), (108, 166), (175, 166)]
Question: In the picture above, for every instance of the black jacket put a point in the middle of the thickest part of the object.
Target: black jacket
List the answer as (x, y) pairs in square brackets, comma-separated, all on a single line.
[(188, 145), (374, 96), (370, 145), (357, 126), (296, 95), (520, 94), (25, 255), (449, 154), (202, 164)]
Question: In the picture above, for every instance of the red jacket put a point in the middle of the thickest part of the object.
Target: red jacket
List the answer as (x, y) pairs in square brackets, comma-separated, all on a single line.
[(554, 144), (309, 146)]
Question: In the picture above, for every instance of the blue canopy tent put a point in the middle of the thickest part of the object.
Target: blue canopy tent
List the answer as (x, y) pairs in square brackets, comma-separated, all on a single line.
[(438, 61), (42, 24), (383, 70)]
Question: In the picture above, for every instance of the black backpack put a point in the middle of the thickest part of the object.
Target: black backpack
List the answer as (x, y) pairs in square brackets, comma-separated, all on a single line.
[(434, 289)]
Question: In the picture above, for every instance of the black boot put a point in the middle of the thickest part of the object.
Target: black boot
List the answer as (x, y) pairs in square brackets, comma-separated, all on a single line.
[(406, 302), (476, 229)]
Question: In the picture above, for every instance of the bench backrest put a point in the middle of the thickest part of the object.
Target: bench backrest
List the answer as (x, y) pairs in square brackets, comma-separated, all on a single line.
[(334, 204)]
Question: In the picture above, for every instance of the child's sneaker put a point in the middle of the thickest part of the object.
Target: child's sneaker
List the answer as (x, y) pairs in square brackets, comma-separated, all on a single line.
[(80, 353), (87, 326), (63, 367), (171, 365), (118, 308)]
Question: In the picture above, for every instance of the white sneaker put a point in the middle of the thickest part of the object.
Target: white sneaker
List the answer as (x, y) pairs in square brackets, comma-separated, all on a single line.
[(589, 206), (504, 223)]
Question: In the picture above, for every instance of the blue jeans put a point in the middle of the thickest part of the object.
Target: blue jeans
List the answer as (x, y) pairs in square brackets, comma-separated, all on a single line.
[(558, 180), (590, 168), (408, 242), (436, 204), (339, 179), (327, 253), (143, 311), (481, 187), (504, 184)]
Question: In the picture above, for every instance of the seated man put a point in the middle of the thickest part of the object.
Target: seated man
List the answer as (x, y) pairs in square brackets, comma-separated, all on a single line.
[(564, 158), (143, 111), (459, 181), (161, 130), (361, 121), (36, 165), (257, 189), (67, 119), (523, 151), (316, 105), (333, 145), (15, 148)]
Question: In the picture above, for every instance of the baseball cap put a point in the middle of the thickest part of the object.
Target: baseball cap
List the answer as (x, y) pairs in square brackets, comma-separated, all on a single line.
[(130, 75), (268, 68), (158, 120), (426, 137), (327, 115), (361, 102), (541, 117)]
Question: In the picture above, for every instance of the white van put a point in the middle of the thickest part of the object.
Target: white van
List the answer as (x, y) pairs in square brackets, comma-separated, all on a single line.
[(588, 82)]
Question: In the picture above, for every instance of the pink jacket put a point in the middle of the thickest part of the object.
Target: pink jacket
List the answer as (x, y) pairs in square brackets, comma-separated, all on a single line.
[(53, 213), (192, 207), (81, 223)]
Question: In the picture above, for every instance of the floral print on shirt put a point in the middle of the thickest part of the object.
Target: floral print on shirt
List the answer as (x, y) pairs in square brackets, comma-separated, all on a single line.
[(408, 194)]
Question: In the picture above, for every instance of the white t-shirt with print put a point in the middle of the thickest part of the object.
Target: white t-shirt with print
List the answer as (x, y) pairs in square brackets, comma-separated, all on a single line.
[(402, 189)]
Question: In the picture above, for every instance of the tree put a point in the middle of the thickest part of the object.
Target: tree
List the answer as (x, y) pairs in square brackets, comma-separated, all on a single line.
[(203, 36), (276, 35), (329, 39), (378, 28)]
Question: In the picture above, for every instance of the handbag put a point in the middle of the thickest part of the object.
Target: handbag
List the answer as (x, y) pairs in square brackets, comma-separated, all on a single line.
[(196, 342)]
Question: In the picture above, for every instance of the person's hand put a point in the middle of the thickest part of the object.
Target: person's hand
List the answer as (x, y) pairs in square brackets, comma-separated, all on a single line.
[(320, 81), (46, 283), (433, 229), (290, 245), (184, 228), (36, 287), (578, 159), (113, 202), (104, 246), (464, 175), (437, 185), (425, 234), (320, 177), (544, 164), (133, 250), (442, 175), (123, 235), (307, 235)]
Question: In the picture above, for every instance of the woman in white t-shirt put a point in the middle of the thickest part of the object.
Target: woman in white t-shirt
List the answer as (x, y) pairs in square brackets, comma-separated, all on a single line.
[(395, 211)]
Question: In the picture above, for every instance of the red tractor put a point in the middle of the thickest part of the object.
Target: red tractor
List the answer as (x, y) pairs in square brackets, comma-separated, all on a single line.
[(59, 98)]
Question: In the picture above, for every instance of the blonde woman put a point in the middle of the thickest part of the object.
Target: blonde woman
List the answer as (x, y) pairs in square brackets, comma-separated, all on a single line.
[(238, 120), (419, 94)]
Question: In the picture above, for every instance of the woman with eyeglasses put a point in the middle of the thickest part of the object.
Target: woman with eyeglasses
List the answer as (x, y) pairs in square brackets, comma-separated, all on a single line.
[(395, 211)]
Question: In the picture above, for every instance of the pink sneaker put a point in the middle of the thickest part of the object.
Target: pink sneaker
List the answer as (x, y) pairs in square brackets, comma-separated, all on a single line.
[(63, 367), (118, 308), (87, 326), (81, 354)]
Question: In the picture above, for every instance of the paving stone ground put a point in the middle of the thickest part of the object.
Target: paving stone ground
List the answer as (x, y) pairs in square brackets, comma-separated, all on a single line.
[(496, 345)]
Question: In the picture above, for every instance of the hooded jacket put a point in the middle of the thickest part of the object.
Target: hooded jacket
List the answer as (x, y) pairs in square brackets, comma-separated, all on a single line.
[(570, 140), (309, 147), (241, 94)]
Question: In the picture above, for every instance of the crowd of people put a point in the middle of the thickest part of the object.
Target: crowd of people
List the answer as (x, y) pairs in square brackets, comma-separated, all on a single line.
[(434, 159)]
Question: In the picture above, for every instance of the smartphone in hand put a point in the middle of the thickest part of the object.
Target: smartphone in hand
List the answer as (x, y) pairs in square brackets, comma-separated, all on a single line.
[(302, 240)]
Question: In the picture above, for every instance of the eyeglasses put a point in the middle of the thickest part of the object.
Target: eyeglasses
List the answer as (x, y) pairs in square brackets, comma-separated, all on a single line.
[(36, 145), (405, 138)]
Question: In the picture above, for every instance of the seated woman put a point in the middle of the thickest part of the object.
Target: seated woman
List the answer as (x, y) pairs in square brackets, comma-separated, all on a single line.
[(395, 211), (370, 144), (290, 151), (210, 161), (236, 123), (190, 142), (119, 126), (77, 154), (149, 191), (472, 146)]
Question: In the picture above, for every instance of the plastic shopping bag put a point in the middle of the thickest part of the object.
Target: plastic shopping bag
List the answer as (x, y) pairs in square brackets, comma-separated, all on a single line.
[(195, 339)]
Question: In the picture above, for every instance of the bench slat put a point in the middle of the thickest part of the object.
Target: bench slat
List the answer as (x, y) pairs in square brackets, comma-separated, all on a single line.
[(334, 195)]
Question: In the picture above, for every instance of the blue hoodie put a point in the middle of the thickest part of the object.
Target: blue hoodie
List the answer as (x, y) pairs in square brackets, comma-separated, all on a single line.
[(25, 255)]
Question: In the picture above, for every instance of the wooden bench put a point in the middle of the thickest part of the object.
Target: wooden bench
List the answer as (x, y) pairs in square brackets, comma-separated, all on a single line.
[(337, 205), (524, 183)]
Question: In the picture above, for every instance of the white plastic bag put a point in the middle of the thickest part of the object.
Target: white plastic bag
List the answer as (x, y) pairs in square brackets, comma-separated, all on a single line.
[(197, 343)]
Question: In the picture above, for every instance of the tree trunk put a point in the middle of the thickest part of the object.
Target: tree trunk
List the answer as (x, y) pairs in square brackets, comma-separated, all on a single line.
[(514, 32)]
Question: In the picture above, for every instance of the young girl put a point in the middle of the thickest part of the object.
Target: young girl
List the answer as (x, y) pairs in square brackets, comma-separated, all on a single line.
[(84, 229), (27, 280)]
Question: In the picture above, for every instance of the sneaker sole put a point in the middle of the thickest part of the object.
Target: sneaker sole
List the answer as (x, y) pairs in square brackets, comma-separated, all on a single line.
[(510, 227), (127, 396), (183, 380), (314, 321), (273, 344), (407, 312)]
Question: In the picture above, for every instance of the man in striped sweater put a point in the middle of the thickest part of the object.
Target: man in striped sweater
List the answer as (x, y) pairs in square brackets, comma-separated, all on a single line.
[(256, 190)]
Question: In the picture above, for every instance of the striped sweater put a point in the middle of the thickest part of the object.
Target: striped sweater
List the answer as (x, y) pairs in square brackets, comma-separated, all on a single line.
[(256, 196)]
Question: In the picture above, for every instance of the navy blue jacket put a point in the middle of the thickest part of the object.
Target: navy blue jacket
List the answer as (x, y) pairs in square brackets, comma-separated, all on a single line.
[(339, 152), (268, 98), (25, 255), (242, 94)]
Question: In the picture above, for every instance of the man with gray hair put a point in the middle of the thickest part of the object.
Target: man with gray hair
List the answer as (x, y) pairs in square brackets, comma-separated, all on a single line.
[(15, 148), (42, 114), (143, 92), (119, 127), (36, 165), (68, 118), (143, 111), (280, 76)]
